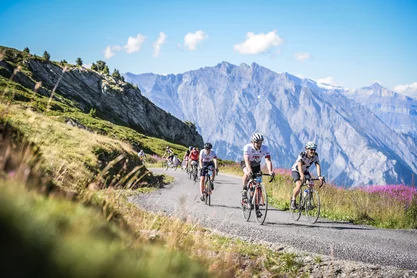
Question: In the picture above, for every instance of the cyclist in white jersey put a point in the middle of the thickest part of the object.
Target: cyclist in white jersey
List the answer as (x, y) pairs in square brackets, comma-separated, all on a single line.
[(207, 157), (300, 169), (252, 156)]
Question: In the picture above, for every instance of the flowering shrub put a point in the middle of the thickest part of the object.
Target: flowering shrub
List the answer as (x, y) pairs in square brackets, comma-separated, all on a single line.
[(399, 192)]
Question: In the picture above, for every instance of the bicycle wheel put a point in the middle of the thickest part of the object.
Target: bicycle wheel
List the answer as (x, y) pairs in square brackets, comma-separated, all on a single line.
[(296, 213), (246, 207), (261, 204), (195, 174), (165, 165), (312, 206), (207, 191), (190, 174)]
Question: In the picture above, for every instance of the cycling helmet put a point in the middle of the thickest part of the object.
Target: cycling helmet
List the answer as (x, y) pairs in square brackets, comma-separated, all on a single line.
[(208, 146), (190, 148), (311, 145), (256, 137), (167, 147)]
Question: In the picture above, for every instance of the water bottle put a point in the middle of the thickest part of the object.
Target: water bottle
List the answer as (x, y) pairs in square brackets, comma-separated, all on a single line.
[(305, 193), (259, 179)]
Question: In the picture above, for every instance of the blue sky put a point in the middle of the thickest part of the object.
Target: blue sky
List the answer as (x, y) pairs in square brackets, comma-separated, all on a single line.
[(350, 43)]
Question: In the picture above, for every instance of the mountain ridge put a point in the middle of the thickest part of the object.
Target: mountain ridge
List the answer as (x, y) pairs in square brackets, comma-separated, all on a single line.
[(284, 108)]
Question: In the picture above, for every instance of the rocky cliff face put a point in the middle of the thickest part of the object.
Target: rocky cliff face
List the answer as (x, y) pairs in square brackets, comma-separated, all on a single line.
[(229, 102), (115, 101)]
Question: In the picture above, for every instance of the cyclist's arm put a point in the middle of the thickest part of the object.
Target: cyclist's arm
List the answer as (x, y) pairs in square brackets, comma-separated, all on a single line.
[(200, 162), (215, 163), (247, 163), (268, 164), (300, 170), (319, 171)]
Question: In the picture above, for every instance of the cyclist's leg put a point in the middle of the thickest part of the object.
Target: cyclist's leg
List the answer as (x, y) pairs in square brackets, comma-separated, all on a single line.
[(202, 180), (296, 190), (245, 178)]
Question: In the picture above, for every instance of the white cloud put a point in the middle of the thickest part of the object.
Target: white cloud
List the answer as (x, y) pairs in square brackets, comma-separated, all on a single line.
[(108, 53), (301, 56), (328, 80), (158, 43), (407, 89), (134, 44), (191, 40), (258, 43)]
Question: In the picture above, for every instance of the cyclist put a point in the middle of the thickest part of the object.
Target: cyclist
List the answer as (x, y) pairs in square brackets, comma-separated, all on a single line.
[(185, 158), (300, 169), (193, 158), (141, 155), (169, 153), (251, 163), (207, 157)]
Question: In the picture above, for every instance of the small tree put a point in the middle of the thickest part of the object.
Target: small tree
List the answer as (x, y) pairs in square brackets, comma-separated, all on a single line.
[(63, 62), (26, 50), (79, 62), (116, 74), (101, 65), (122, 78), (94, 67), (106, 70), (46, 56)]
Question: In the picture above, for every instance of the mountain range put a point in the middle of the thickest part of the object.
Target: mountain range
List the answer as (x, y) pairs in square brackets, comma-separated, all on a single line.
[(365, 136)]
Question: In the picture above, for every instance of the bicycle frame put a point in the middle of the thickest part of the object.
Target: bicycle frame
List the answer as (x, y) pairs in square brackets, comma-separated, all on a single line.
[(257, 199), (208, 183), (309, 204)]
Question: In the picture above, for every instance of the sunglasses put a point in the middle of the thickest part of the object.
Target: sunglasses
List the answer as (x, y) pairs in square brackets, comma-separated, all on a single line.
[(258, 142), (312, 150)]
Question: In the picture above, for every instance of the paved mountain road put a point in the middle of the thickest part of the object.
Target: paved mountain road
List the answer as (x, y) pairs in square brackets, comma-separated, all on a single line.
[(341, 240)]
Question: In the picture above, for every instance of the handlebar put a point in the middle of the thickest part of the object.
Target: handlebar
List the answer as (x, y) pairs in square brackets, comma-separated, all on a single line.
[(323, 181), (262, 174)]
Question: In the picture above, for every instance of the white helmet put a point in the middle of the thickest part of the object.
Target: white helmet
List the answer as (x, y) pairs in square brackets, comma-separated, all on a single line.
[(256, 137), (311, 145)]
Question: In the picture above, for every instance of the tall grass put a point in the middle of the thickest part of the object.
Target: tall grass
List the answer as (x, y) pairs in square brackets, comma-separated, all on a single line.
[(388, 206)]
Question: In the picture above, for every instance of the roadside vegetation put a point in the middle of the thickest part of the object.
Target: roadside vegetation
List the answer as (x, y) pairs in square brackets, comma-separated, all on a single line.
[(385, 206), (64, 181)]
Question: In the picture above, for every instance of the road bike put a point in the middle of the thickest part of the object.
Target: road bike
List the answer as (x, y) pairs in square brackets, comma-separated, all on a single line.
[(168, 164), (193, 172), (256, 198), (208, 184), (308, 201)]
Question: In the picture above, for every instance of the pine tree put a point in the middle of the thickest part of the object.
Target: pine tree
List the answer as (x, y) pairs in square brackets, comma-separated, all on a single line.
[(26, 50), (79, 62), (94, 67), (46, 56), (106, 70), (116, 74)]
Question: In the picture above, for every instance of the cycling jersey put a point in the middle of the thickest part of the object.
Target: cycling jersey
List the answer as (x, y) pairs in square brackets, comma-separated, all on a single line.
[(255, 156), (306, 161), (194, 155), (206, 158)]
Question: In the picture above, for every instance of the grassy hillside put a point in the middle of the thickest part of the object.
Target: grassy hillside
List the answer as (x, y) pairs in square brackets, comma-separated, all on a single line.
[(64, 212)]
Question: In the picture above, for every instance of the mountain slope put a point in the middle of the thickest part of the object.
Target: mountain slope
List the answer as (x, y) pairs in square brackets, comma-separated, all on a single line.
[(229, 102)]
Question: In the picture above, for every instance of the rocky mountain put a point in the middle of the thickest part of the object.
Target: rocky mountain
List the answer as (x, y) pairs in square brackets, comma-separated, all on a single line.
[(398, 111), (228, 103), (113, 100)]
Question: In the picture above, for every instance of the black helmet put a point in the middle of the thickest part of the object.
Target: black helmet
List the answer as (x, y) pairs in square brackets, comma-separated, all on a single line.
[(208, 146)]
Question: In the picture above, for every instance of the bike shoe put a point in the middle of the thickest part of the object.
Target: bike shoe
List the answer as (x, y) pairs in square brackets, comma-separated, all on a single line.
[(258, 214), (293, 205), (202, 198)]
